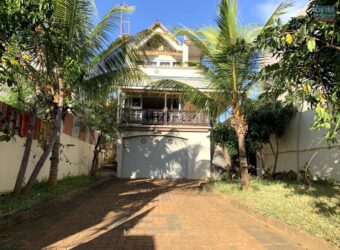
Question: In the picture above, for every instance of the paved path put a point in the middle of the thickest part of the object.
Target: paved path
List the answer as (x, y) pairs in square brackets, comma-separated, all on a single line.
[(145, 214)]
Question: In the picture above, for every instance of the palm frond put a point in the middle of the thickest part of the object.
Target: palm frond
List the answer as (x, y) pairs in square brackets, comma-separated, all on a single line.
[(203, 99), (74, 19), (279, 11), (100, 35), (227, 22), (198, 39), (102, 85)]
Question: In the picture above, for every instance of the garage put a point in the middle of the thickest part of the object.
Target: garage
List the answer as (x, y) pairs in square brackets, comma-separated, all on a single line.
[(155, 157)]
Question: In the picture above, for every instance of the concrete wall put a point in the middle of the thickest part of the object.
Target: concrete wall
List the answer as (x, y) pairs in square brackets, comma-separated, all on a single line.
[(197, 145), (300, 144), (78, 153)]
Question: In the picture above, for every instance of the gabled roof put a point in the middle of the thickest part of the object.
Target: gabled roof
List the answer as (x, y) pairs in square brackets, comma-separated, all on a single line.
[(159, 29), (158, 24)]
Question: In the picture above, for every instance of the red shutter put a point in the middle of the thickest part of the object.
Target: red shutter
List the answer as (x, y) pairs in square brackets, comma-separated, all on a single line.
[(1, 107), (68, 124), (24, 125), (4, 110), (82, 133), (37, 127), (18, 123), (91, 139)]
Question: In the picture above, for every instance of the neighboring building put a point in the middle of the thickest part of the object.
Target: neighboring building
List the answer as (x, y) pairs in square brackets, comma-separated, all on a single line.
[(162, 137), (300, 145), (75, 159)]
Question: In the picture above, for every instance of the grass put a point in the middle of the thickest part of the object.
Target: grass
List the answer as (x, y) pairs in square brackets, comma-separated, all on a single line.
[(41, 192), (315, 209)]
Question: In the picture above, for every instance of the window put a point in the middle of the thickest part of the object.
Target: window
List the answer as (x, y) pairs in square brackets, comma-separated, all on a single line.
[(136, 102), (151, 63), (176, 64), (175, 103), (165, 64)]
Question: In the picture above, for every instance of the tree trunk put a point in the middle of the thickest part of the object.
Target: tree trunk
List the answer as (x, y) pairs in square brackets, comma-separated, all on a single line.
[(226, 156), (26, 155), (43, 157), (243, 160), (54, 135), (95, 159), (53, 176), (241, 128)]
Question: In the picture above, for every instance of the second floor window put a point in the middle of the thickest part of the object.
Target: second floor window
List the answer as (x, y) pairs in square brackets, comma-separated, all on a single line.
[(136, 102), (165, 64), (151, 63)]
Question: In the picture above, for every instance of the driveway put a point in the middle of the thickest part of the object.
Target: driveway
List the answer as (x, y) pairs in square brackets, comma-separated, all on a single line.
[(145, 214)]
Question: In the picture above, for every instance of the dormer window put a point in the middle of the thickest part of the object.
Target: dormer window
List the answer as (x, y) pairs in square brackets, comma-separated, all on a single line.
[(165, 64), (151, 63)]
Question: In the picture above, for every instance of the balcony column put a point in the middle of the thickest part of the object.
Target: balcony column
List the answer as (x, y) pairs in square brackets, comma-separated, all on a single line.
[(120, 106), (165, 113)]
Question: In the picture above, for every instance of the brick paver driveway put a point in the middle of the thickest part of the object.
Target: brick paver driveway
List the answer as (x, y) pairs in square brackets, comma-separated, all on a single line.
[(145, 214)]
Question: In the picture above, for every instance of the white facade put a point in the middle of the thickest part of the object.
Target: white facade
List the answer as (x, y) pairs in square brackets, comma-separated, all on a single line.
[(301, 145), (164, 153), (162, 137)]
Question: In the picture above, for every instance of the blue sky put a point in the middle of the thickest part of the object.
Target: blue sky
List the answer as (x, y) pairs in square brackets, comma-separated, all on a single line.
[(191, 13)]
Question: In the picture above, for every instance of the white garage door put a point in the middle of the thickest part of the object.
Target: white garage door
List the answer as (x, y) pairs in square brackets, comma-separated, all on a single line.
[(155, 157)]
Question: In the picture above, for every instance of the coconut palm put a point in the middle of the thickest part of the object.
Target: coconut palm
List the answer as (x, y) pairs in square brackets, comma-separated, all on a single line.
[(77, 54), (229, 62)]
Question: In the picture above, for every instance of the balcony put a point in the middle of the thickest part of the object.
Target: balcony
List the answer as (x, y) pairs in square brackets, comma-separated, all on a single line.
[(161, 117)]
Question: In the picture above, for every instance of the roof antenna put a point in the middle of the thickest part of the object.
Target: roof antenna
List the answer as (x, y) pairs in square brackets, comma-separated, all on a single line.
[(124, 24)]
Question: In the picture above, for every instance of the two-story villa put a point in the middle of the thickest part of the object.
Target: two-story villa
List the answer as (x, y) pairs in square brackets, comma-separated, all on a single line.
[(161, 136)]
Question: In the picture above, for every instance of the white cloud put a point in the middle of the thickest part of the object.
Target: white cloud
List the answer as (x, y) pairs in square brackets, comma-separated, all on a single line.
[(267, 7)]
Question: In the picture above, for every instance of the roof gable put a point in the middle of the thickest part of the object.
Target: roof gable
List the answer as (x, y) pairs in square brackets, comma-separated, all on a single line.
[(169, 38)]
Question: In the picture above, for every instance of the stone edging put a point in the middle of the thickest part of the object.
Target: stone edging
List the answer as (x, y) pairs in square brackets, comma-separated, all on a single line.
[(307, 240), (18, 217)]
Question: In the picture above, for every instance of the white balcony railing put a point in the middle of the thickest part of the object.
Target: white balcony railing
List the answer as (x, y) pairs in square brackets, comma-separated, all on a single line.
[(161, 117)]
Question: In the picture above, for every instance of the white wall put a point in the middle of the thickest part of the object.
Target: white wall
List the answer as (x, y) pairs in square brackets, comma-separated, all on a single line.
[(78, 152), (197, 144), (301, 144)]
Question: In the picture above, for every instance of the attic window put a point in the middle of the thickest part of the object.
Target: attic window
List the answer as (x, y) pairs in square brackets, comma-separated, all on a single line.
[(165, 64), (151, 63)]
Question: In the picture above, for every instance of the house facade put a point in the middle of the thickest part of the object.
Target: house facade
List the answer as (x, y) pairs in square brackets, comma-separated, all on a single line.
[(161, 136)]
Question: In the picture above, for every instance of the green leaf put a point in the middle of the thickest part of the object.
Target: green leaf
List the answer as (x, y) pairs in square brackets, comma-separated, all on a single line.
[(303, 30), (311, 46)]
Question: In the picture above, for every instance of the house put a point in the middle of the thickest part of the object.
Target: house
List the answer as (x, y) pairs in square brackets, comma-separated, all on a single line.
[(162, 136)]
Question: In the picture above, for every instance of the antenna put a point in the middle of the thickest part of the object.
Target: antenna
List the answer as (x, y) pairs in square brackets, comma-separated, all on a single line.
[(124, 25)]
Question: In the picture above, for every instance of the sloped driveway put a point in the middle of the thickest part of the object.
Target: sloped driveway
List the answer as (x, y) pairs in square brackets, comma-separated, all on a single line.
[(145, 214)]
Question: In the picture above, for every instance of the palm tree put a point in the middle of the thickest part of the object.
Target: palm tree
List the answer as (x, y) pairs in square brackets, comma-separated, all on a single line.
[(229, 62), (78, 53)]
